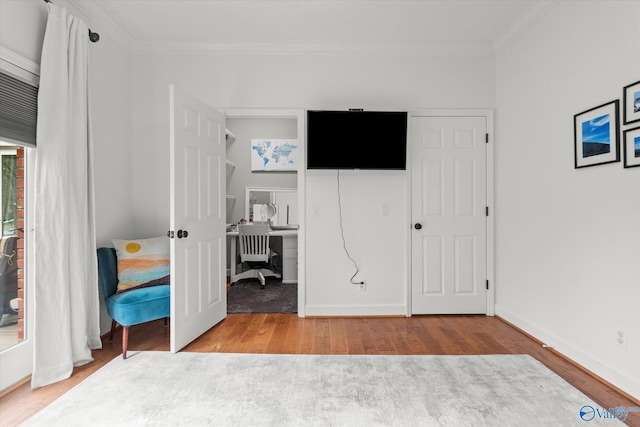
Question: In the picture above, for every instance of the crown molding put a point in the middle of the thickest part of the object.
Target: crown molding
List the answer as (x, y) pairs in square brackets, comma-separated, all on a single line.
[(436, 49), (105, 24), (532, 15)]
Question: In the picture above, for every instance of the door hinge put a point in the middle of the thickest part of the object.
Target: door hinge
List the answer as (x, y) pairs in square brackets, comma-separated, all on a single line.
[(170, 234), (486, 210), (486, 138), (487, 284)]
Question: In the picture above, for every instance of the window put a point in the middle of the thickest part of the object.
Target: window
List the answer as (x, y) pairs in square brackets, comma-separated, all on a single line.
[(18, 114)]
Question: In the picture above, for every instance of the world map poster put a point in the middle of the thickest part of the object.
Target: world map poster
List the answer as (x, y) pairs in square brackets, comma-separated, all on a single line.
[(274, 155)]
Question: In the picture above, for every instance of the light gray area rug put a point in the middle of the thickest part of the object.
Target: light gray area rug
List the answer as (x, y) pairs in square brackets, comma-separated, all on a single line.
[(222, 389)]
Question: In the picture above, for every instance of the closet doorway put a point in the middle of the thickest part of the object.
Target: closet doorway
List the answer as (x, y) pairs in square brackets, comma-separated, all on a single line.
[(247, 131)]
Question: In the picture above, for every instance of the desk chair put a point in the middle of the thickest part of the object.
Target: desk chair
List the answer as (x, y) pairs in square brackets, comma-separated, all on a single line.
[(131, 307), (255, 252)]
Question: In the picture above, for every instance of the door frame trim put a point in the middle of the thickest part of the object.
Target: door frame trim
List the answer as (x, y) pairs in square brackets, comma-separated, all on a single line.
[(488, 114)]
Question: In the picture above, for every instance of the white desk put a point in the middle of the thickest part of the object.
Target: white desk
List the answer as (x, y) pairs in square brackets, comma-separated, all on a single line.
[(289, 254)]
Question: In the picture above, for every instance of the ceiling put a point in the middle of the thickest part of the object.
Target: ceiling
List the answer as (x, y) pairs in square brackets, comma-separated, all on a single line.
[(321, 24)]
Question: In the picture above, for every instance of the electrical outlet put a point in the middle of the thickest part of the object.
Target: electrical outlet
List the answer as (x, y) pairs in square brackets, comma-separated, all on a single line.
[(362, 286), (621, 339)]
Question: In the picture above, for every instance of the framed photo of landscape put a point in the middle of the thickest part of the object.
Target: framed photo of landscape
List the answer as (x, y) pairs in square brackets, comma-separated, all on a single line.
[(596, 135), (632, 147), (631, 103)]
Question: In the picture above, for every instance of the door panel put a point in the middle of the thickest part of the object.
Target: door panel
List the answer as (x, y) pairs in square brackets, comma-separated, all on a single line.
[(449, 199), (464, 187), (198, 148), (432, 283), (433, 187)]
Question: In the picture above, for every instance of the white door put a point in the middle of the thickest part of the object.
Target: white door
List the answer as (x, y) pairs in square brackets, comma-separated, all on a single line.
[(449, 235), (198, 195)]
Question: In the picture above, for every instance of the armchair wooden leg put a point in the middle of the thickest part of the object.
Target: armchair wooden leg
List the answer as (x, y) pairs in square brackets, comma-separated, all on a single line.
[(113, 328), (125, 341), (166, 321)]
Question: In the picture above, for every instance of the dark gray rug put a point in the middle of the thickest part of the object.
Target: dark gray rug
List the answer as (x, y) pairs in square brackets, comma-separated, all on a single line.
[(246, 296)]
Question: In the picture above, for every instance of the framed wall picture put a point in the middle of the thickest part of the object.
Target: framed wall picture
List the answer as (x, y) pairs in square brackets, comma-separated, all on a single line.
[(632, 147), (631, 103), (274, 155), (596, 134)]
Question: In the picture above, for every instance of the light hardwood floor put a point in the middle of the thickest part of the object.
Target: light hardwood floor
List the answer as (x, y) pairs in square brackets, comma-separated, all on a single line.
[(289, 334)]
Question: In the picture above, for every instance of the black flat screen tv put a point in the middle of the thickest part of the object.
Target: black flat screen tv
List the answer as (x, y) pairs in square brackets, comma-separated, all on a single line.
[(356, 139)]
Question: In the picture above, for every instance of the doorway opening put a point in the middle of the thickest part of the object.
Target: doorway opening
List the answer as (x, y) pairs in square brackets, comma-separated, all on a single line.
[(250, 189)]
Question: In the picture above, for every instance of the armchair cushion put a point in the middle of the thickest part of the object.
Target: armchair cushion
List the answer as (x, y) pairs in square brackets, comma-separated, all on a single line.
[(139, 305), (142, 263)]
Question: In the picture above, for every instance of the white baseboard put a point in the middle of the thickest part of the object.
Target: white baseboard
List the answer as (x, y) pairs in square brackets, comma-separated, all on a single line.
[(623, 382), (354, 310)]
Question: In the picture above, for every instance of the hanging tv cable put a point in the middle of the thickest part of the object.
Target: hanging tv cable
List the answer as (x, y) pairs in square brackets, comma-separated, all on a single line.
[(344, 243)]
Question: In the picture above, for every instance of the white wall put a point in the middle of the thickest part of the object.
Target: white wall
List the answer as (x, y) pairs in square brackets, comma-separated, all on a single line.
[(22, 28), (567, 240), (311, 81), (112, 129), (377, 243)]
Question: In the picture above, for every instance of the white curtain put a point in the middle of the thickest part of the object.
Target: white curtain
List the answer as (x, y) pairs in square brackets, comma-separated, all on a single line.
[(66, 279)]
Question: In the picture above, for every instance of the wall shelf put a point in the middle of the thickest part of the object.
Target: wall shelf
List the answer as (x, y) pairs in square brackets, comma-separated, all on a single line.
[(229, 137)]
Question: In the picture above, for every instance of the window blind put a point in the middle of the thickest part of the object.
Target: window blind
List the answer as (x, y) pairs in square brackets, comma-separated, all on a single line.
[(18, 110)]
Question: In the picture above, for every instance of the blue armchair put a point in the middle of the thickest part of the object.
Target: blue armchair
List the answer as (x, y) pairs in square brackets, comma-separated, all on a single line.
[(131, 307)]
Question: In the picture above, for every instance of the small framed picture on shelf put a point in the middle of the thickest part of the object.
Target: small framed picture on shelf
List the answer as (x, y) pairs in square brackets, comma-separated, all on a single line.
[(631, 103), (632, 147), (596, 133)]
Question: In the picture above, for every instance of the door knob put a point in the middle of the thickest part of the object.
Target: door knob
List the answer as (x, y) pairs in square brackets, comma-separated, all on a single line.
[(182, 233), (418, 226)]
